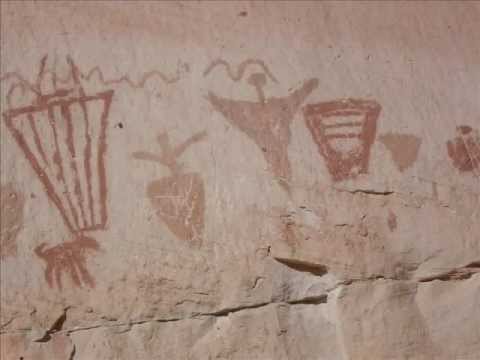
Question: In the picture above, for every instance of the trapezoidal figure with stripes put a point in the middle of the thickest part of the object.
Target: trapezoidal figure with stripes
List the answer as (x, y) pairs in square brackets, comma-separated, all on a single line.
[(344, 132), (63, 136)]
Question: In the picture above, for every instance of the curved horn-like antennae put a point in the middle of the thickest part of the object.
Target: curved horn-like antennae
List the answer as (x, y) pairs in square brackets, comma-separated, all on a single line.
[(164, 142), (39, 250), (74, 69), (143, 155), (240, 69), (41, 73), (193, 139), (75, 75), (258, 81), (168, 156), (54, 73)]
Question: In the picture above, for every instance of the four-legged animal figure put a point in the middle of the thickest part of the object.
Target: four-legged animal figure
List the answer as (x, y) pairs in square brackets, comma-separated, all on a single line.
[(68, 257)]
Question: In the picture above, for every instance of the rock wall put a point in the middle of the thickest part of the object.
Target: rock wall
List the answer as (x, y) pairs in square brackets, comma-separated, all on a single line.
[(240, 180)]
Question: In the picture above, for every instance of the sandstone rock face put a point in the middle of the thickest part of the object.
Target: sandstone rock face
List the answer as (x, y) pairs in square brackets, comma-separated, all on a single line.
[(240, 180)]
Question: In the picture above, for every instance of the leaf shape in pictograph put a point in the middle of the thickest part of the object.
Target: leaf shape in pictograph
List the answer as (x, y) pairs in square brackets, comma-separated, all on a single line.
[(179, 202)]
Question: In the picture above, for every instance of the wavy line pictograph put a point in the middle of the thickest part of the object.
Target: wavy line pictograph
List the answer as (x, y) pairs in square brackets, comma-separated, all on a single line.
[(240, 68), (23, 84)]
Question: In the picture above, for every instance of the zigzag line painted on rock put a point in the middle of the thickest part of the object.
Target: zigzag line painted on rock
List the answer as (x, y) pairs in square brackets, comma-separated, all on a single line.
[(96, 70), (240, 69)]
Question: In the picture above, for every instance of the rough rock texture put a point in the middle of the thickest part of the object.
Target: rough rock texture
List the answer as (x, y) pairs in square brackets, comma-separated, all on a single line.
[(240, 180)]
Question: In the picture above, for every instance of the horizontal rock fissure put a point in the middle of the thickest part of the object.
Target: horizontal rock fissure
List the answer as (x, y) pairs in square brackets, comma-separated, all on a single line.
[(310, 300), (304, 266), (462, 273), (368, 192), (371, 278), (56, 327), (475, 264), (130, 324), (227, 311), (456, 274)]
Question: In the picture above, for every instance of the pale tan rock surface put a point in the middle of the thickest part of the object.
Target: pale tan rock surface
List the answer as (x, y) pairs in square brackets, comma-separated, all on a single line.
[(240, 180)]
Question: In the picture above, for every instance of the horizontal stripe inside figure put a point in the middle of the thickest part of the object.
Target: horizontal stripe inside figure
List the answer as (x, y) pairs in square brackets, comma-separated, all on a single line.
[(344, 132)]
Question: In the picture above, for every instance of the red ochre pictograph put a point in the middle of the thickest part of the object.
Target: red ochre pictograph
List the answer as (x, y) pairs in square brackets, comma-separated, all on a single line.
[(464, 150), (344, 131), (179, 199), (265, 121), (63, 137)]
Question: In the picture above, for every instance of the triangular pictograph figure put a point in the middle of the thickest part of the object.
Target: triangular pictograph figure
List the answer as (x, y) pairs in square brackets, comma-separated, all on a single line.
[(265, 121), (344, 132), (403, 148)]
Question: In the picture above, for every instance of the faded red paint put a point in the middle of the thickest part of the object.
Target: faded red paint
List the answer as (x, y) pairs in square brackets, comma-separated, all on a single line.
[(62, 161), (392, 220), (12, 203), (403, 148), (68, 258), (464, 150), (179, 199), (94, 73), (267, 121), (332, 134)]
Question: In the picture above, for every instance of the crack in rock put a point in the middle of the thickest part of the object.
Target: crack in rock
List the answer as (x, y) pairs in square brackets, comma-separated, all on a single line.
[(228, 311), (56, 327), (303, 266), (462, 273), (367, 191), (310, 300), (72, 354), (130, 324), (8, 322)]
